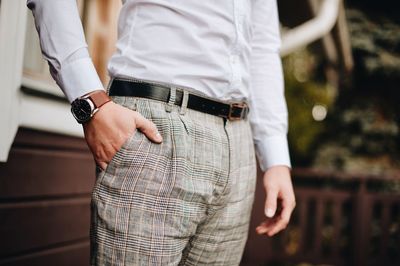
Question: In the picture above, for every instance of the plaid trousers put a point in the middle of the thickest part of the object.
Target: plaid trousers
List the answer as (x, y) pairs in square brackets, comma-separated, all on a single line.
[(186, 201)]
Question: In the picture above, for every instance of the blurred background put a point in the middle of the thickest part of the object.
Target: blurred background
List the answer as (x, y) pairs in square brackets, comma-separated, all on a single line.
[(342, 73)]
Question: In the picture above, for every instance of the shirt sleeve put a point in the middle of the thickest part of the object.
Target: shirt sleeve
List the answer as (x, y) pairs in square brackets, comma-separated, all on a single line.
[(63, 45), (268, 111)]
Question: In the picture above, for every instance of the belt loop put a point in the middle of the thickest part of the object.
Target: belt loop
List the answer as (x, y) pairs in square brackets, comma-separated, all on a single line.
[(171, 100), (134, 104), (109, 85), (184, 102)]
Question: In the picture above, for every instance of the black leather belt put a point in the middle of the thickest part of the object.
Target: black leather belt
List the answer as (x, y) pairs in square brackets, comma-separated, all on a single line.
[(160, 92)]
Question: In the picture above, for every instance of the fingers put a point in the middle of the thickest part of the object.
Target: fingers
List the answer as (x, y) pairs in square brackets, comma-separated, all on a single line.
[(280, 221), (147, 127), (265, 226), (102, 165), (283, 220), (270, 202), (111, 127)]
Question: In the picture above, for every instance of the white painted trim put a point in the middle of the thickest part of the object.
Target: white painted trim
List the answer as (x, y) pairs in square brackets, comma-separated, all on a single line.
[(48, 115), (12, 36), (42, 86), (311, 30), (17, 108)]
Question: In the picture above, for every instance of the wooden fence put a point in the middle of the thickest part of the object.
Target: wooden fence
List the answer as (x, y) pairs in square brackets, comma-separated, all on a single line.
[(338, 220)]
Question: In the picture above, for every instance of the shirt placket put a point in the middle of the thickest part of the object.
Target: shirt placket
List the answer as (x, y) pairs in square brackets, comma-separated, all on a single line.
[(238, 16)]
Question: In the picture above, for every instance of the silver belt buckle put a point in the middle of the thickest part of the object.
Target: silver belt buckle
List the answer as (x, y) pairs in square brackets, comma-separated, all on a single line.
[(242, 113)]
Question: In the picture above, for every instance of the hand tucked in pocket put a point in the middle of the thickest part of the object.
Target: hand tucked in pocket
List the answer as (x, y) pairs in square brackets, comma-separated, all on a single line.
[(111, 126)]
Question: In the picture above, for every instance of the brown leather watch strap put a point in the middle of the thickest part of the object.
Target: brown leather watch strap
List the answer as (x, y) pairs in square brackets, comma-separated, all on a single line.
[(99, 97)]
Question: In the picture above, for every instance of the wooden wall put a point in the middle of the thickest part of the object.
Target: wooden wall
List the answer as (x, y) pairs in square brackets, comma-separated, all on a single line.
[(44, 200)]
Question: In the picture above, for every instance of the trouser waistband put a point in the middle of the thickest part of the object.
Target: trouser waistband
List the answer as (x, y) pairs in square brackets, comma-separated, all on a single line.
[(175, 95)]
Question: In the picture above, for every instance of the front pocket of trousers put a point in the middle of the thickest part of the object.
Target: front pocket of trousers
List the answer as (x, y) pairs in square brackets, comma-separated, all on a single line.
[(118, 155)]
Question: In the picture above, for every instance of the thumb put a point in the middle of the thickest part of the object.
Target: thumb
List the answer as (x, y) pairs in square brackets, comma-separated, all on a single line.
[(102, 165), (271, 202), (148, 128)]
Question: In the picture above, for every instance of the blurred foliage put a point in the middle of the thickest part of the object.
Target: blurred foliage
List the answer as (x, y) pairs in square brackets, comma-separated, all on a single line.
[(376, 47), (361, 131), (382, 8), (303, 92)]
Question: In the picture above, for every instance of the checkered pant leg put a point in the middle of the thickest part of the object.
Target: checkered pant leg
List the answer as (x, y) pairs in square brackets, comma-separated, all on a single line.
[(186, 201)]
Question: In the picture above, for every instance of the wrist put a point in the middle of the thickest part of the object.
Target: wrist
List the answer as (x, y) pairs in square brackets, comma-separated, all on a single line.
[(278, 170), (86, 106), (279, 167)]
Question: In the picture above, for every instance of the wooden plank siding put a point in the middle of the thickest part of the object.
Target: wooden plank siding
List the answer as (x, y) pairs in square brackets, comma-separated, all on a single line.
[(45, 192)]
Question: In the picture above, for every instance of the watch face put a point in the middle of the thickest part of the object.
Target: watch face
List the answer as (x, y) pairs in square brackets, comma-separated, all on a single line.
[(81, 110)]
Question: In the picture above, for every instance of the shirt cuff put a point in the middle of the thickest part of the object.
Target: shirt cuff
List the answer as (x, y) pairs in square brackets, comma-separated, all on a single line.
[(273, 151), (78, 78)]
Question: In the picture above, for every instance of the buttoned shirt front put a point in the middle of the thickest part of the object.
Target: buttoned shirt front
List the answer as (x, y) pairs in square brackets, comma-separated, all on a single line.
[(227, 49)]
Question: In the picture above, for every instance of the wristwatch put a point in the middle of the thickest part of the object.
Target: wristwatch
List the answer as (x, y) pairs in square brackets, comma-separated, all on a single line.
[(84, 107)]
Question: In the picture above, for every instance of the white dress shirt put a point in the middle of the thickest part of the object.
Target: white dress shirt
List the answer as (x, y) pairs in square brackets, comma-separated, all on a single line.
[(227, 49)]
